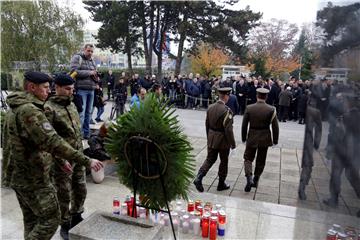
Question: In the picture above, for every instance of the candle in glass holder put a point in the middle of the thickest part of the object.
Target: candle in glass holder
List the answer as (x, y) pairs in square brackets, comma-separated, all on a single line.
[(191, 206), (196, 226), (116, 206), (175, 219), (200, 210), (205, 225), (197, 203), (213, 227), (214, 213), (218, 206), (185, 224), (124, 209), (222, 223)]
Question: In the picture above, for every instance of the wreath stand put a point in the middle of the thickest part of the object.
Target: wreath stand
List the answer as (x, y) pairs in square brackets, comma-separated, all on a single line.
[(148, 165)]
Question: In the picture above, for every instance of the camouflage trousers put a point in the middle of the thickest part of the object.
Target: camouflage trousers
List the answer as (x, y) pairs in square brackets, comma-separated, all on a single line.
[(41, 213), (71, 190)]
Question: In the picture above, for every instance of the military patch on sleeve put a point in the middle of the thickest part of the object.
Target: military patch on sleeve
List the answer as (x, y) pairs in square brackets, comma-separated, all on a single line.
[(47, 126)]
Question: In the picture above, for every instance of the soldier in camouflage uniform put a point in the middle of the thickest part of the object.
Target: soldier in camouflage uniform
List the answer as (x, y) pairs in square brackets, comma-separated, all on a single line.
[(63, 116), (31, 140)]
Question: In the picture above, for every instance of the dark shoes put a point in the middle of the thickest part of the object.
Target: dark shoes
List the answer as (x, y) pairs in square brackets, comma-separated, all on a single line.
[(255, 181), (301, 192), (76, 219), (331, 202), (222, 186), (98, 120), (249, 183), (64, 231), (198, 182)]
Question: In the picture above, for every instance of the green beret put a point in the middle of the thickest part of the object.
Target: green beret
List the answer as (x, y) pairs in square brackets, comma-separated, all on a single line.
[(64, 80), (37, 77)]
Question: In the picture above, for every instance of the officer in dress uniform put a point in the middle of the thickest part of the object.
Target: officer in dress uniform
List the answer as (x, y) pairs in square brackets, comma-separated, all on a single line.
[(259, 116), (220, 138)]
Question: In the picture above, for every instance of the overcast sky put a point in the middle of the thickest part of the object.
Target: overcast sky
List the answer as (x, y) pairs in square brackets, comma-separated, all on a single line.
[(294, 11)]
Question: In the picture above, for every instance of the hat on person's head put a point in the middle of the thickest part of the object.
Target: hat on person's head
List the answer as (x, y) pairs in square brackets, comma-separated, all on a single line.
[(64, 80), (224, 90), (262, 90), (37, 77)]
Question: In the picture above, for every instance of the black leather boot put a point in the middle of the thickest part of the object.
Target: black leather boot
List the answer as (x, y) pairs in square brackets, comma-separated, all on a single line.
[(255, 181), (301, 191), (76, 219), (222, 186), (198, 182), (249, 183), (331, 202), (64, 231)]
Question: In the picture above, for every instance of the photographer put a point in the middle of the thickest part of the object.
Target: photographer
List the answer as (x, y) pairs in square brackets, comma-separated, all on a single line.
[(86, 80)]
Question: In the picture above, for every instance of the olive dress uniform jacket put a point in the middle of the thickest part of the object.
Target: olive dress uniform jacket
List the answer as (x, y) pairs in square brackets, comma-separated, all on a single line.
[(260, 116), (219, 126)]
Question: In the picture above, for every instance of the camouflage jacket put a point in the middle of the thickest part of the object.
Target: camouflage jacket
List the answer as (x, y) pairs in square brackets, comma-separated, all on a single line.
[(63, 116), (30, 141)]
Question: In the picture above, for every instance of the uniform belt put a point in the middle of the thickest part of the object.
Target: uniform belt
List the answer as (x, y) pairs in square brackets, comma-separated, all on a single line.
[(217, 130), (259, 128)]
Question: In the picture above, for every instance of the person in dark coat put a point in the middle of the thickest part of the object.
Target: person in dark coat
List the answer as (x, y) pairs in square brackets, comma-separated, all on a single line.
[(110, 80), (120, 93), (313, 130), (284, 103), (345, 154), (220, 138), (99, 103), (252, 91), (206, 92), (232, 103), (302, 105), (258, 117), (322, 94), (241, 90)]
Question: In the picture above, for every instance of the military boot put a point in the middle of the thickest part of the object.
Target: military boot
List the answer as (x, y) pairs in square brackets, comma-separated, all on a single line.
[(76, 219), (249, 183), (331, 202), (198, 182), (64, 231), (255, 181), (301, 191), (222, 186)]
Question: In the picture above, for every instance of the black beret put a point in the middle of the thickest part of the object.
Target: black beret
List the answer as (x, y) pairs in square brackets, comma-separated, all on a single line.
[(64, 80), (37, 77)]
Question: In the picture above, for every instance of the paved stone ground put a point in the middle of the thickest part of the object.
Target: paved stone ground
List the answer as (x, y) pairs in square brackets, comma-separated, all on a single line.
[(280, 179)]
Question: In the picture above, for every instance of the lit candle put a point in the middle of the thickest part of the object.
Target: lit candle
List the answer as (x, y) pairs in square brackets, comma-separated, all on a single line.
[(213, 227), (205, 225)]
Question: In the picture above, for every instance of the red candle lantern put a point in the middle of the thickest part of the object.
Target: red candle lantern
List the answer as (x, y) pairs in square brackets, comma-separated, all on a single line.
[(116, 206), (191, 206), (213, 227), (205, 225), (197, 204), (200, 210)]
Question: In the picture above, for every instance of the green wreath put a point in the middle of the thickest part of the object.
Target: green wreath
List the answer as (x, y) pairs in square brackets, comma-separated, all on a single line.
[(156, 123)]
